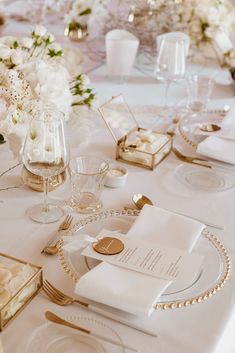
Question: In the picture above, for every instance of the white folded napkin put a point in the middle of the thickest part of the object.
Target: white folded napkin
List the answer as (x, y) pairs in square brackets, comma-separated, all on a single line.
[(131, 291), (218, 148)]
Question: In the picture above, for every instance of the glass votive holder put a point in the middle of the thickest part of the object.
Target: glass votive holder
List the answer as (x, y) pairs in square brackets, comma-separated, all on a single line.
[(87, 180), (200, 89), (121, 50)]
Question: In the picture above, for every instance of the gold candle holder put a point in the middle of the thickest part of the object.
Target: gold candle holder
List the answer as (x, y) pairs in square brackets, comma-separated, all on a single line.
[(35, 182), (134, 145)]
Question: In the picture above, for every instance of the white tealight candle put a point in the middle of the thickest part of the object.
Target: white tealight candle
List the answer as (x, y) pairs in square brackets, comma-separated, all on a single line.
[(116, 177), (115, 172)]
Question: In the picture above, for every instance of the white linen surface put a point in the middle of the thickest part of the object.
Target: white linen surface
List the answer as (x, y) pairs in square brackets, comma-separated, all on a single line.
[(218, 148), (122, 288)]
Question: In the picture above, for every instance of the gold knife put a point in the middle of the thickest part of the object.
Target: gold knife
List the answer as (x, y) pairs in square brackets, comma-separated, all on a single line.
[(58, 320)]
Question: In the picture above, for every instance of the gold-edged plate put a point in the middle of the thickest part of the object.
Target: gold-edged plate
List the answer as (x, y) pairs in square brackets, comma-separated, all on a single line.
[(54, 338), (210, 279), (190, 123)]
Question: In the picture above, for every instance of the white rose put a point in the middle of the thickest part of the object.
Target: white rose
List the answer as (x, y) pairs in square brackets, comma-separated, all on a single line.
[(196, 26), (85, 95), (50, 37), (210, 31), (95, 103), (85, 80), (72, 59), (213, 16), (14, 128), (50, 83), (8, 40), (16, 58), (55, 46), (26, 42), (5, 52), (40, 30)]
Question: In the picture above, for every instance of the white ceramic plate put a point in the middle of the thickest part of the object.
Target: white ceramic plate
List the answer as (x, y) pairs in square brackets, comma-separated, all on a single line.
[(205, 179)]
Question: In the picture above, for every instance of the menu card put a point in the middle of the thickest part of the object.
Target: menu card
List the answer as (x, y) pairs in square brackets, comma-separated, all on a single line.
[(153, 260)]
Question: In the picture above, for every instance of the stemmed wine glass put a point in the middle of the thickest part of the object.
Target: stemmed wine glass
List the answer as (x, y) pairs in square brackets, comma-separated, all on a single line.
[(170, 64), (46, 154)]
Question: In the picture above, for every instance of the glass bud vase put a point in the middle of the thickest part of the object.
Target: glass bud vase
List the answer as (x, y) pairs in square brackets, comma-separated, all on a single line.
[(75, 31)]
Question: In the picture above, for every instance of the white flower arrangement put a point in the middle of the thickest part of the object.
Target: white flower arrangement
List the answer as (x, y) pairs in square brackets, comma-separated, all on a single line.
[(199, 19), (202, 19), (83, 12), (32, 69)]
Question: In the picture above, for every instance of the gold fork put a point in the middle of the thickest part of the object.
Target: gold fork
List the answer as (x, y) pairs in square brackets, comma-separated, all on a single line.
[(51, 247), (188, 159), (58, 297), (63, 299)]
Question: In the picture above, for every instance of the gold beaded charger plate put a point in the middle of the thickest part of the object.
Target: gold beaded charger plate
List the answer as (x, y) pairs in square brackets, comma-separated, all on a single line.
[(190, 123), (210, 278)]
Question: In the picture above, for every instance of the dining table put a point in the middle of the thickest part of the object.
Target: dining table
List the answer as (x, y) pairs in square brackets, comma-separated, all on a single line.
[(206, 327)]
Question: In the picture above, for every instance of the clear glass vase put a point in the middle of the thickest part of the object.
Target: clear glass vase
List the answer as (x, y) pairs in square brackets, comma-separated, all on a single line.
[(76, 31)]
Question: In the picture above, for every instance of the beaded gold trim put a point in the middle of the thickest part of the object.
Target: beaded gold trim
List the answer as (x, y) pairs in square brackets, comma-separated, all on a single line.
[(184, 136), (161, 305)]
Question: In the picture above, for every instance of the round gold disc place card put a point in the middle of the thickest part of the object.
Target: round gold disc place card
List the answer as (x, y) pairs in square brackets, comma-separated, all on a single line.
[(108, 246)]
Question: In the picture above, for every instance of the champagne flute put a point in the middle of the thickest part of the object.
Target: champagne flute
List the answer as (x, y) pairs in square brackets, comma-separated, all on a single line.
[(170, 64), (46, 154)]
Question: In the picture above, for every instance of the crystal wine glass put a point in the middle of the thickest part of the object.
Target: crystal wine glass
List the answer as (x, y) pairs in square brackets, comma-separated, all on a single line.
[(170, 64), (46, 154)]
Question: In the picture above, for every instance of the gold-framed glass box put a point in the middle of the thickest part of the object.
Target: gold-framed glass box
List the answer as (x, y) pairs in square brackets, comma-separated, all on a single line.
[(19, 283), (135, 145)]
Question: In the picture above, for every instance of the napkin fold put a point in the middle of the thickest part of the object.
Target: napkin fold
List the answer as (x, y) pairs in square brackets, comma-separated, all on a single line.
[(134, 292), (218, 148)]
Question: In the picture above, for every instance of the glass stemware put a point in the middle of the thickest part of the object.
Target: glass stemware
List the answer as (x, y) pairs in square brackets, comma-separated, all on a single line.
[(170, 65), (46, 154)]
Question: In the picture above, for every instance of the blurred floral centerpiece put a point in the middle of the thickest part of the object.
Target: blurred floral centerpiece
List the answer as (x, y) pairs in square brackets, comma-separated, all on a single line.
[(202, 19), (149, 18), (33, 69), (81, 15)]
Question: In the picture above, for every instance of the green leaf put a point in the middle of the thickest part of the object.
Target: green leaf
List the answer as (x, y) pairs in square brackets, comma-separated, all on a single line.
[(2, 139), (15, 45), (85, 12), (52, 53)]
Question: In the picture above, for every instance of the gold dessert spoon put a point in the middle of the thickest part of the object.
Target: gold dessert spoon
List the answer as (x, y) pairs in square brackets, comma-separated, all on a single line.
[(141, 200), (210, 127)]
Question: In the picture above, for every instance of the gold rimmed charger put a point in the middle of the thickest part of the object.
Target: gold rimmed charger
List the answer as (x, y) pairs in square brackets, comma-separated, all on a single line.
[(188, 124), (209, 281)]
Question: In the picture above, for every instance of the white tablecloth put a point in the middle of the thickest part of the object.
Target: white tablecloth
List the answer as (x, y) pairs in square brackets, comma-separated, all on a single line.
[(206, 327)]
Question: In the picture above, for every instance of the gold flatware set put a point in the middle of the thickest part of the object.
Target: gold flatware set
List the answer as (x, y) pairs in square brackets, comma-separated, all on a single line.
[(58, 320), (141, 200), (188, 159), (51, 246), (62, 299)]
